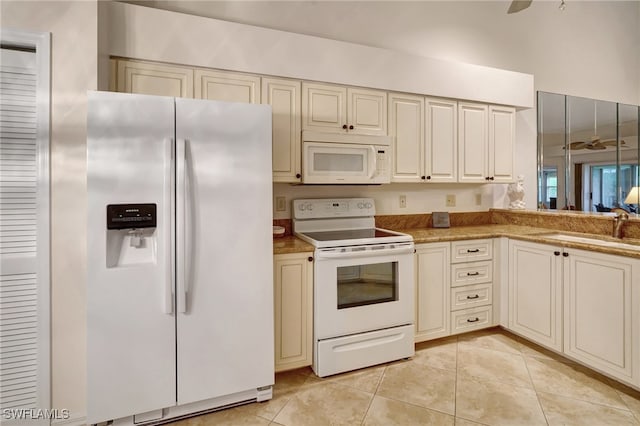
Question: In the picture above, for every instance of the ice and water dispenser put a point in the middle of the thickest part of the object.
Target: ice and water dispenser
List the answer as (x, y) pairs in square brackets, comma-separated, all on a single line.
[(131, 234)]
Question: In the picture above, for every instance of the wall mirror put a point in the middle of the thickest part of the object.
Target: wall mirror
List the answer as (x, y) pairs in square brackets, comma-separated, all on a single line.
[(587, 154)]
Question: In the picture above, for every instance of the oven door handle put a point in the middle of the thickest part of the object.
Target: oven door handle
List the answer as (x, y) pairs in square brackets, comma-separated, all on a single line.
[(337, 254)]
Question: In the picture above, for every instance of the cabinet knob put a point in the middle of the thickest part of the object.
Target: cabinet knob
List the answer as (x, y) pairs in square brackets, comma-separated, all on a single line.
[(557, 253), (310, 259), (491, 178), (487, 178), (344, 126), (423, 177), (565, 254), (298, 175), (428, 177), (351, 127)]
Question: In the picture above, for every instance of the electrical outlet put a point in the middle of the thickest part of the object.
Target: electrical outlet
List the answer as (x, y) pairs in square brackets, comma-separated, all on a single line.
[(403, 201), (451, 200), (281, 204), (478, 199)]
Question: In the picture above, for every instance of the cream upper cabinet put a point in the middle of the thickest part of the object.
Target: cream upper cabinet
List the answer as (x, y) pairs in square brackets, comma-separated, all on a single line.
[(473, 142), (293, 310), (227, 86), (602, 312), (154, 79), (328, 107), (284, 96), (502, 136), (486, 143), (367, 111), (535, 292), (406, 127), (432, 291), (324, 107), (425, 138), (441, 140)]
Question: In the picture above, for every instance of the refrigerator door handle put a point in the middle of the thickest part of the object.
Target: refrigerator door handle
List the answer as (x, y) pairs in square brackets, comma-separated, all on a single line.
[(170, 203), (181, 228)]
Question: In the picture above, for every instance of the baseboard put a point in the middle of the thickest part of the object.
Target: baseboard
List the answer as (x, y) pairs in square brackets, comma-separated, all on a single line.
[(73, 420)]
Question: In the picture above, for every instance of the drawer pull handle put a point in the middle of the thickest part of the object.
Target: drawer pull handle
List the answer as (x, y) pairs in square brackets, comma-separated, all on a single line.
[(476, 319), (473, 251), (475, 296), (473, 274)]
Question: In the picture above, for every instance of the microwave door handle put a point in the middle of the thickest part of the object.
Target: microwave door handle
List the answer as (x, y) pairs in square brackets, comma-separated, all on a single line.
[(374, 161)]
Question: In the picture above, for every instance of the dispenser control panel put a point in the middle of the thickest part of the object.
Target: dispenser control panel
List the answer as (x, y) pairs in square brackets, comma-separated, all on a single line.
[(127, 216)]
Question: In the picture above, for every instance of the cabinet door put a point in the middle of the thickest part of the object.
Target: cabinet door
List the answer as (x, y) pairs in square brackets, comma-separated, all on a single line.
[(601, 312), (473, 142), (154, 79), (535, 292), (285, 100), (293, 280), (324, 107), (406, 127), (227, 86), (367, 111), (441, 140), (432, 291), (502, 134)]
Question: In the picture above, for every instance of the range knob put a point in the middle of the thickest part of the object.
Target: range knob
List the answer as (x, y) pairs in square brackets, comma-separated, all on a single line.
[(301, 207), (309, 206), (368, 205), (360, 205)]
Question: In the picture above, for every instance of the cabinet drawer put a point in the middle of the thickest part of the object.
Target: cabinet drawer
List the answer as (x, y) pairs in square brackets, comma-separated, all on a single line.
[(470, 296), (471, 319), (471, 250), (471, 273)]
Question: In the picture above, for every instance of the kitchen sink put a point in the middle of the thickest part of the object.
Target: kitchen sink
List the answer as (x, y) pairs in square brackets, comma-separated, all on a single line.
[(593, 241)]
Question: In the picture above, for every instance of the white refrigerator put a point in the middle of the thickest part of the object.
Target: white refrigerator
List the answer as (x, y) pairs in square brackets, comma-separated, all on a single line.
[(179, 256)]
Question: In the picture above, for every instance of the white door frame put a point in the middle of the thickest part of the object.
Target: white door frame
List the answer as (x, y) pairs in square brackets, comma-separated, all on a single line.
[(41, 42)]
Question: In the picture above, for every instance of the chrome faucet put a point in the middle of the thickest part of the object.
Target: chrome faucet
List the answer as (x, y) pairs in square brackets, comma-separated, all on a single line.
[(618, 222)]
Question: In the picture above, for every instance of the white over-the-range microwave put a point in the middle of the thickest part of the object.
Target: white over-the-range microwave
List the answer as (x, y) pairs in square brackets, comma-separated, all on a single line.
[(336, 158)]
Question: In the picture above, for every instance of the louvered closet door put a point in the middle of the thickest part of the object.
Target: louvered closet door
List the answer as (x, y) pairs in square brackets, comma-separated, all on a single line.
[(22, 344)]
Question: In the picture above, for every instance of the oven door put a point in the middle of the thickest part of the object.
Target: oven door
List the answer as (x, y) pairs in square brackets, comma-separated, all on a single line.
[(363, 288), (332, 163)]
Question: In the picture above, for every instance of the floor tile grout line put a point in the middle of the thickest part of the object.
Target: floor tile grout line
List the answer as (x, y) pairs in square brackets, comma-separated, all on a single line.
[(375, 393), (600, 404), (544, 413)]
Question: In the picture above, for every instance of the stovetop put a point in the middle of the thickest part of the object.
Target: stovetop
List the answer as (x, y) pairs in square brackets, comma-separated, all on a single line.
[(349, 234)]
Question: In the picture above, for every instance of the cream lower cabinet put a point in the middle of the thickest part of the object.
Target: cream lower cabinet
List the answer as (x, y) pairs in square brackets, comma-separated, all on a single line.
[(535, 292), (293, 310), (432, 291), (581, 303), (602, 312)]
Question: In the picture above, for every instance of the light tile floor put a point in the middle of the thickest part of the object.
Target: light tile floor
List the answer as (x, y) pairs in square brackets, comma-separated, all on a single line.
[(489, 377)]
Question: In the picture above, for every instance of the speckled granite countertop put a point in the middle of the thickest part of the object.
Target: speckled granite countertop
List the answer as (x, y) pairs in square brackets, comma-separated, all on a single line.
[(291, 244)]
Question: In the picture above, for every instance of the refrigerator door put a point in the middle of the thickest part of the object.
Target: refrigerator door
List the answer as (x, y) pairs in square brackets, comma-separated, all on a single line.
[(224, 249), (130, 318)]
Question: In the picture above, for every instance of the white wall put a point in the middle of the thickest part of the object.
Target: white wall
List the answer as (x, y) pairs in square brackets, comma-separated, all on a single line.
[(74, 66), (589, 50)]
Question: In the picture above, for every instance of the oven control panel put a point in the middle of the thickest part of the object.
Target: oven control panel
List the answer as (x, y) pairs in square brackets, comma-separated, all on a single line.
[(333, 207)]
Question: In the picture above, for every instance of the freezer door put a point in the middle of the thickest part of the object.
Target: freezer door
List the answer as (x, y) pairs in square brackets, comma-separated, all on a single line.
[(224, 248), (130, 319)]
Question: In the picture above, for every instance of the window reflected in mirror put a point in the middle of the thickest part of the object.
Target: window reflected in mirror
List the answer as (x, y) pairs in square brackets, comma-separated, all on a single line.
[(587, 154)]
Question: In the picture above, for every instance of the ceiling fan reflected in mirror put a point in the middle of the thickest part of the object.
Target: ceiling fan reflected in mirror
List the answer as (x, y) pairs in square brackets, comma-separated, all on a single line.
[(595, 143), (518, 5)]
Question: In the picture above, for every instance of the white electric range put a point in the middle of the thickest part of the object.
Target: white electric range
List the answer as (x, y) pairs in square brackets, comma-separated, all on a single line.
[(363, 285)]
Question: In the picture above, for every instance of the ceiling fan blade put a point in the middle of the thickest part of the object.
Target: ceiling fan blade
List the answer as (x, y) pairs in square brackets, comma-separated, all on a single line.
[(578, 145), (518, 5)]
